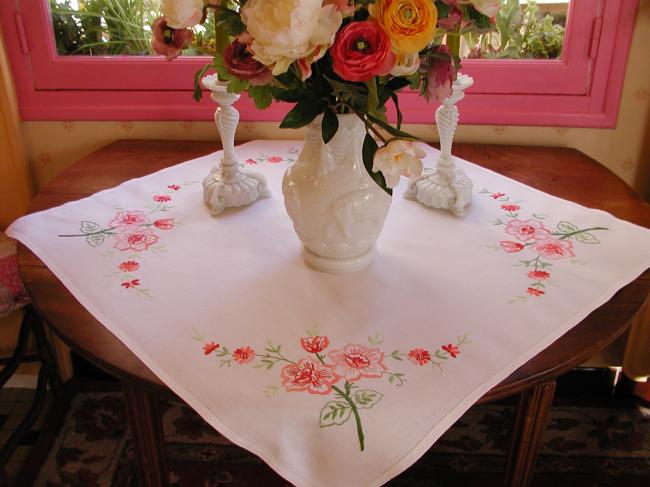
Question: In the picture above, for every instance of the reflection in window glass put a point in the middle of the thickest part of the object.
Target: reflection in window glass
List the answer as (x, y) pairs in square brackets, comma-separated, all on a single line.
[(526, 29)]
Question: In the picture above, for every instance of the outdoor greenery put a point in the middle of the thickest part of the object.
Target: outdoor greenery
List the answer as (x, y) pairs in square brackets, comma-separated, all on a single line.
[(123, 27)]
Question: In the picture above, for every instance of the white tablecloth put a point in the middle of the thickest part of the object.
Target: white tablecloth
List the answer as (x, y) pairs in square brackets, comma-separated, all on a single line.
[(333, 379)]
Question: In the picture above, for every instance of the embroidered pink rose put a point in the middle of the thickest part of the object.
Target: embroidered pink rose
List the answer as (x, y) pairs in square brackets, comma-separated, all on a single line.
[(131, 283), (308, 375), (510, 246), (540, 275), (526, 230), (510, 208), (314, 344), (210, 347), (162, 198), (534, 291), (555, 249), (244, 355), (164, 223), (174, 187), (356, 361), (137, 239), (419, 356), (274, 159), (496, 196), (452, 350), (129, 266), (125, 219)]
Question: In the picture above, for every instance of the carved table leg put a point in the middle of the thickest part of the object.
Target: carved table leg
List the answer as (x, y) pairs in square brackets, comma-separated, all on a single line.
[(532, 409), (146, 427)]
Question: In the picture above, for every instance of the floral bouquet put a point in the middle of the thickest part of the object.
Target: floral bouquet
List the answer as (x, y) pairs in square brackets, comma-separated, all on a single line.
[(332, 57)]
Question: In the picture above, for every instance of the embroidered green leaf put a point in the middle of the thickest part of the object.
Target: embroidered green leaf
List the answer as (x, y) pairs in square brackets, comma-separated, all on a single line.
[(375, 339), (540, 216), (396, 379), (498, 221), (334, 413), (566, 227), (366, 399), (587, 238), (396, 355), (271, 391), (89, 227), (95, 239)]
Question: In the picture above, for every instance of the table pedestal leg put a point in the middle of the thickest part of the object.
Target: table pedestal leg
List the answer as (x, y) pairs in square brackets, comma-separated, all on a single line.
[(532, 409), (146, 427)]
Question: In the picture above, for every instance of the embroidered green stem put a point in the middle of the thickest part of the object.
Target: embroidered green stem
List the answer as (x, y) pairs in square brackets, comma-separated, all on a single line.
[(346, 395), (567, 235), (107, 231)]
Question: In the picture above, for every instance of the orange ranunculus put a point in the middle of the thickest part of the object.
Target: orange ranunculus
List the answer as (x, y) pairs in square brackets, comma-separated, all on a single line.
[(410, 24)]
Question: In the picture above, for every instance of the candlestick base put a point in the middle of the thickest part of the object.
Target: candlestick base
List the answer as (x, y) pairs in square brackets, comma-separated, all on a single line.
[(446, 189)]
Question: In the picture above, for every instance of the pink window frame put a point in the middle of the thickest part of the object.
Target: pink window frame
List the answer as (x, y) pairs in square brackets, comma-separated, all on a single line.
[(580, 90)]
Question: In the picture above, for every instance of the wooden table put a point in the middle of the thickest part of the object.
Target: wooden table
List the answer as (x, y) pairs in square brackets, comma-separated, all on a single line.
[(562, 172)]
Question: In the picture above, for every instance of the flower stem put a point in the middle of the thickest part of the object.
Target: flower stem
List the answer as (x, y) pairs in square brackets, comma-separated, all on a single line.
[(107, 231), (355, 411), (567, 235)]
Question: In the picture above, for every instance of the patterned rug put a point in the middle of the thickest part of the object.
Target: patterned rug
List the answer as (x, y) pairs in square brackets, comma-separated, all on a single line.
[(583, 446)]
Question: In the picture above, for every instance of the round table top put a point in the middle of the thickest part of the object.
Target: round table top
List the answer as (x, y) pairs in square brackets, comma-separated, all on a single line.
[(566, 173)]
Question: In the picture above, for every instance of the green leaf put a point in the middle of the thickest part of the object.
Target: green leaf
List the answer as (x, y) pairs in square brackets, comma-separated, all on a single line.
[(302, 114), (587, 238), (395, 99), (237, 85), (261, 95), (368, 151), (366, 399), (291, 96), (198, 91), (334, 413), (330, 125), (95, 240), (89, 227), (389, 128), (229, 21), (373, 97), (566, 227)]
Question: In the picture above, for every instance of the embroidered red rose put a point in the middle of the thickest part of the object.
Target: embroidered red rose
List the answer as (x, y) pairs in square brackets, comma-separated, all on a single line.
[(131, 283), (250, 161), (126, 219), (534, 291), (555, 249), (137, 240), (510, 246), (541, 275), (129, 266), (356, 361), (419, 356), (526, 230), (362, 50), (162, 198), (308, 375), (496, 196), (210, 347), (174, 187), (510, 208), (452, 350), (164, 223), (314, 344), (274, 159), (244, 355)]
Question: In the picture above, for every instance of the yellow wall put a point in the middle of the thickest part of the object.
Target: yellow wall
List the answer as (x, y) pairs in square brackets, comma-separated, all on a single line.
[(51, 146)]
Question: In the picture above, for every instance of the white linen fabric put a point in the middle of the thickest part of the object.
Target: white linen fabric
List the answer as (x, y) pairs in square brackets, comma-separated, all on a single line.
[(333, 379)]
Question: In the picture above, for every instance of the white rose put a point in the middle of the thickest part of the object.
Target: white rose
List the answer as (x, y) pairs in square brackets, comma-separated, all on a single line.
[(284, 31), (182, 14), (398, 158)]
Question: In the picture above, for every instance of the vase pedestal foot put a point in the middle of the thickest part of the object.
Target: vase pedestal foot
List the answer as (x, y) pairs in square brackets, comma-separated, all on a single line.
[(338, 266), (221, 192)]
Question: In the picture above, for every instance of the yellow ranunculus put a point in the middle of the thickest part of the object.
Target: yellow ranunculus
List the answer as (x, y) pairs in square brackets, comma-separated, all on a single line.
[(410, 24)]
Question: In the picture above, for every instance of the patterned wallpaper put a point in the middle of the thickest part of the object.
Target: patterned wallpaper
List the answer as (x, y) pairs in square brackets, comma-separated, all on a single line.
[(51, 146)]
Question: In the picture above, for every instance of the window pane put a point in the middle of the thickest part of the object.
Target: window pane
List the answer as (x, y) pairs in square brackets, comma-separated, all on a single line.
[(114, 27), (525, 29)]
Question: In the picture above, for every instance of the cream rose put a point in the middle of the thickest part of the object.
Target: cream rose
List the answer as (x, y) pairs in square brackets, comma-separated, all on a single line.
[(182, 14), (285, 31), (398, 158)]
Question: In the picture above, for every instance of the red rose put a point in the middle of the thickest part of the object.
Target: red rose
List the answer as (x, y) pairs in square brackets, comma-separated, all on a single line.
[(452, 350), (164, 223), (162, 198), (441, 73), (541, 275), (510, 246), (210, 347), (534, 292), (362, 50), (129, 266), (240, 63), (314, 344), (167, 41)]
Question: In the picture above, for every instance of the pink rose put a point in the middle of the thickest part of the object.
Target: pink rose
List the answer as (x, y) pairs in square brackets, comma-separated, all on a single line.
[(240, 63), (441, 73), (362, 50), (510, 246), (555, 249), (452, 21), (510, 208), (167, 41), (244, 355), (128, 219), (356, 361), (419, 356), (136, 239), (274, 159), (314, 344), (308, 375), (164, 223), (161, 198), (526, 230), (129, 266)]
